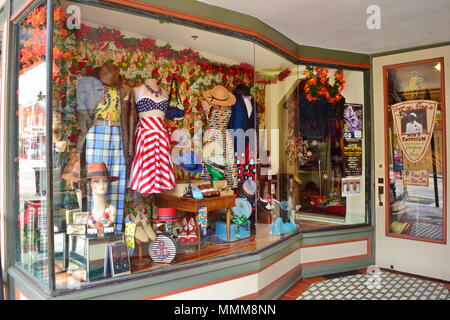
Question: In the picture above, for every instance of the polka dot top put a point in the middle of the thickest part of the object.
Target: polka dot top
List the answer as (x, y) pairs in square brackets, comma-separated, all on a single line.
[(147, 104)]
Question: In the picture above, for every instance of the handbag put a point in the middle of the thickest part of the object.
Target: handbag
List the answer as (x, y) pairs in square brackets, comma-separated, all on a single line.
[(176, 103)]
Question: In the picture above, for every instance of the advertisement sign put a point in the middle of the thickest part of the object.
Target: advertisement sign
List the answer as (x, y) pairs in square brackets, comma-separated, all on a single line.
[(415, 178), (353, 122), (352, 158), (414, 126)]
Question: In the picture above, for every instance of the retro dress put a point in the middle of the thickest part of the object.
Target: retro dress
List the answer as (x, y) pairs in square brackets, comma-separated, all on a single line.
[(218, 120), (152, 168)]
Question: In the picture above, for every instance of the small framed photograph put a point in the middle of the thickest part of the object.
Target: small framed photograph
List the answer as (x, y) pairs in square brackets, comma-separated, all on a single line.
[(119, 259), (79, 229), (80, 217)]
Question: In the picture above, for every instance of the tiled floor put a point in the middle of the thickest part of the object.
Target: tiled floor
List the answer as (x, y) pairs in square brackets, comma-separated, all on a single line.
[(301, 286)]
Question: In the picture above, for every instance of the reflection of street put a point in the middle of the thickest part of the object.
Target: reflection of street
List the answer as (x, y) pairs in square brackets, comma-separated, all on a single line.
[(27, 179), (419, 208)]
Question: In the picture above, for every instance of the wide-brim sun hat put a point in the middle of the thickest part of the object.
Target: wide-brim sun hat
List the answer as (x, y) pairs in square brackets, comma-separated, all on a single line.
[(109, 74), (98, 170), (219, 96), (74, 174)]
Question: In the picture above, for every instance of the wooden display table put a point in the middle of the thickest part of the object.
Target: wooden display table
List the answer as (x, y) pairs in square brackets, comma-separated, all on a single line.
[(191, 206)]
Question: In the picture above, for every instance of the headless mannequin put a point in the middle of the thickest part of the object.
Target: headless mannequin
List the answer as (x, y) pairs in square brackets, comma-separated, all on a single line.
[(142, 91), (99, 189)]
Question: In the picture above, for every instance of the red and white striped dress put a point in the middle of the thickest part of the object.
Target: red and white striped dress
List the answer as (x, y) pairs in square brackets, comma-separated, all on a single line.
[(152, 167)]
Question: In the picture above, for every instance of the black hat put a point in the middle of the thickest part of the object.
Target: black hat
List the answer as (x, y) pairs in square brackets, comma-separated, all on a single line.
[(242, 89)]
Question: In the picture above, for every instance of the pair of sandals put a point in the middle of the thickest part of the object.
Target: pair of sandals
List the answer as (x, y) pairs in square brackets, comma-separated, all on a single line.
[(188, 231)]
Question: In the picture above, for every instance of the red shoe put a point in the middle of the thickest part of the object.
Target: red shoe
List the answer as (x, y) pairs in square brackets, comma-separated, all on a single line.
[(192, 233), (183, 234)]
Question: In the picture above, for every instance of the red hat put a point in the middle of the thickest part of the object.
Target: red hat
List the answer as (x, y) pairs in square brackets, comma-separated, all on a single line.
[(167, 214)]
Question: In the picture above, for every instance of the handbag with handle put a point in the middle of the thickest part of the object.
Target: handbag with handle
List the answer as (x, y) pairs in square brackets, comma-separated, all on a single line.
[(176, 103)]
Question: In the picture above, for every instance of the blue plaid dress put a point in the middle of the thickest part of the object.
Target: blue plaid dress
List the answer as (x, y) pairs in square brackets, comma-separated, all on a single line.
[(104, 144)]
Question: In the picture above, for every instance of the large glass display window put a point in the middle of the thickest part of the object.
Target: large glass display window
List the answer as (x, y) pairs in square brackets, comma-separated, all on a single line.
[(165, 143), (324, 144)]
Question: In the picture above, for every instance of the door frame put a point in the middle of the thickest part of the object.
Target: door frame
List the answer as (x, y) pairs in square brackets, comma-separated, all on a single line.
[(386, 69)]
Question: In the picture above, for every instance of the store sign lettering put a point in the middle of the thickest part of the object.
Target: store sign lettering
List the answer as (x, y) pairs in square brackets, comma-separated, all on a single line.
[(414, 126), (415, 178)]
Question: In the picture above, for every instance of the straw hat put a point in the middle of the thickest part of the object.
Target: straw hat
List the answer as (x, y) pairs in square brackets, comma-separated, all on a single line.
[(109, 74), (74, 174), (219, 96), (98, 170)]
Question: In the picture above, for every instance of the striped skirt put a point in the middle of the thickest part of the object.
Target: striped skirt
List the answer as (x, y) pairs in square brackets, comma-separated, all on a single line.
[(152, 168)]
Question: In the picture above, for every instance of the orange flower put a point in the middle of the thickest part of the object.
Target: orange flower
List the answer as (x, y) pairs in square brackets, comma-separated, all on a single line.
[(312, 81)]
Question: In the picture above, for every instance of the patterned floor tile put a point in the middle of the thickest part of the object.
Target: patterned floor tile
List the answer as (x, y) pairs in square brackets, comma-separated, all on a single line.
[(384, 286)]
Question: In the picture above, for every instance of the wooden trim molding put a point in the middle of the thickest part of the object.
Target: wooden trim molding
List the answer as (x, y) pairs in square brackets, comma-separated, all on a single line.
[(245, 274), (4, 31), (280, 279), (22, 10), (226, 26), (328, 261), (387, 232)]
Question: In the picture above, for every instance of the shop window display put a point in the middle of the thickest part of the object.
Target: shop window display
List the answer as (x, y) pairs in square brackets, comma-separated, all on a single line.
[(324, 148), (157, 144)]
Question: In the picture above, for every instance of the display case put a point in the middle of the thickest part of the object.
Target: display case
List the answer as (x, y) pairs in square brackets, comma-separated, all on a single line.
[(107, 115)]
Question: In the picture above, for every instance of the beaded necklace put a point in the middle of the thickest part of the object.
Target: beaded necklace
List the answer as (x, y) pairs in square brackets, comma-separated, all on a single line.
[(157, 93)]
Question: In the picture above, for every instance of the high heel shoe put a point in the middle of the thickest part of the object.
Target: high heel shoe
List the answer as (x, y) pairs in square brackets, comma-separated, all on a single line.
[(192, 233), (183, 234)]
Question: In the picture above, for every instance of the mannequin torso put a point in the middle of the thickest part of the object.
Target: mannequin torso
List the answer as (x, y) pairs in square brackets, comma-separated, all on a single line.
[(142, 91)]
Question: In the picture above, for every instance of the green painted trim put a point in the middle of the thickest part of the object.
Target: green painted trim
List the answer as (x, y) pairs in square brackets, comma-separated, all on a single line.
[(204, 10), (429, 46), (281, 288), (248, 22), (338, 267), (323, 53), (342, 266)]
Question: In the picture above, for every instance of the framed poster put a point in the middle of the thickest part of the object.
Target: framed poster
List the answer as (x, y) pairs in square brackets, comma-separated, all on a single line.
[(353, 121), (352, 158)]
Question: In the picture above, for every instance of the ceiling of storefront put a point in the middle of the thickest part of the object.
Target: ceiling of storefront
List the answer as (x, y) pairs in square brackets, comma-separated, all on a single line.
[(213, 46), (342, 24)]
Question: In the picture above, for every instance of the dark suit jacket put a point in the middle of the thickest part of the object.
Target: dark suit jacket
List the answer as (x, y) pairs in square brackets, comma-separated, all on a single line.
[(239, 117)]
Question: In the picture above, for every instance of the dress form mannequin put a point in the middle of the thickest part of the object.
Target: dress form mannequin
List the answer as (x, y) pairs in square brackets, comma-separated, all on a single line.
[(143, 91), (152, 140), (101, 211)]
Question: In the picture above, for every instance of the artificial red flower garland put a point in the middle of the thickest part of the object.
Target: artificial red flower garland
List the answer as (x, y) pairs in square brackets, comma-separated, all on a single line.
[(317, 84)]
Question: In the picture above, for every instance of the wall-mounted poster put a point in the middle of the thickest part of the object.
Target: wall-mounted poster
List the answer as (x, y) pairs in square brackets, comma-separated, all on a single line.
[(415, 178), (353, 121), (414, 125), (352, 158)]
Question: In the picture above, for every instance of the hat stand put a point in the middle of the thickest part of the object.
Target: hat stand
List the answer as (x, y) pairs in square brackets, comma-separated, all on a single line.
[(140, 258)]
